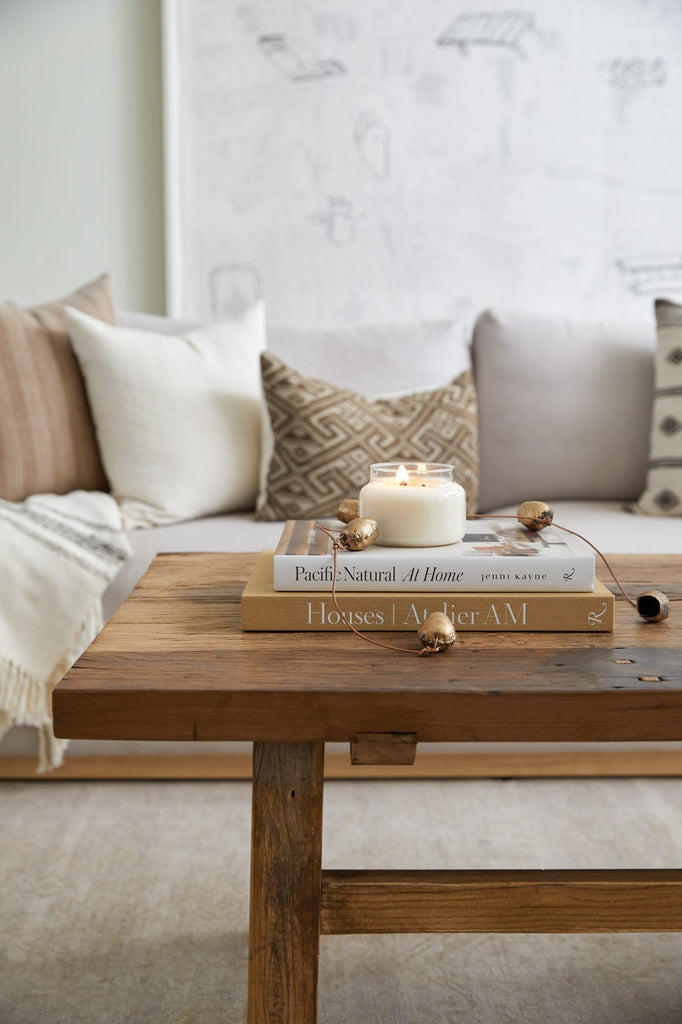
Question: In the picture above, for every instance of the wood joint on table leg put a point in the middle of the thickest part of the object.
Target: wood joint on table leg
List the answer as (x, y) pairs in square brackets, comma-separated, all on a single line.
[(383, 748)]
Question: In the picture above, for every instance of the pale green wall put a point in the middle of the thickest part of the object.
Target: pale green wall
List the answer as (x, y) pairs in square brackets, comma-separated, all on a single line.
[(81, 158)]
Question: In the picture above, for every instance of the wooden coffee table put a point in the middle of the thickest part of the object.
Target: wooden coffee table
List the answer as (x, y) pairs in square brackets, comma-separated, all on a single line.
[(173, 664)]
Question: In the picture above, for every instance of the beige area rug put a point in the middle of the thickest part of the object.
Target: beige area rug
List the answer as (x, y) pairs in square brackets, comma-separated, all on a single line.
[(127, 902)]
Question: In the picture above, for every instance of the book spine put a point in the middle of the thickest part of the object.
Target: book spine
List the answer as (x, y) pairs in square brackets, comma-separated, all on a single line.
[(576, 612), (468, 574)]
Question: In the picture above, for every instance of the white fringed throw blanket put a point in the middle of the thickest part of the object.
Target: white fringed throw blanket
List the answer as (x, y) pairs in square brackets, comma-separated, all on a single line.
[(57, 556)]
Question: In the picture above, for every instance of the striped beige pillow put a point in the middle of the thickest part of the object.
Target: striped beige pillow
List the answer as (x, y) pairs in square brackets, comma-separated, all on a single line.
[(663, 493), (320, 439), (47, 437)]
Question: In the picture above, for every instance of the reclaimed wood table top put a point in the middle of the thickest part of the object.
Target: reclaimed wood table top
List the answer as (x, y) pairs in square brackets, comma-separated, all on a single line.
[(173, 664)]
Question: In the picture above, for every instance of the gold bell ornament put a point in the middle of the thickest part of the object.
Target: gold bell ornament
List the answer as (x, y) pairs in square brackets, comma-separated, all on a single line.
[(359, 534), (348, 509), (437, 632), (534, 515)]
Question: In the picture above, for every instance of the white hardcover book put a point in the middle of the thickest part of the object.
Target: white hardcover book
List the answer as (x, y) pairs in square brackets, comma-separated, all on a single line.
[(495, 554)]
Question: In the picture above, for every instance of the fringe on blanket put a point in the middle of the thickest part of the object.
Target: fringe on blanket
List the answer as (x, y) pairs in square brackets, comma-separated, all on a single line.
[(26, 700)]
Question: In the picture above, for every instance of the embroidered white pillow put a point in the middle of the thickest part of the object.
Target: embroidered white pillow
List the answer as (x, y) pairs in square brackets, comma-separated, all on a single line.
[(177, 416)]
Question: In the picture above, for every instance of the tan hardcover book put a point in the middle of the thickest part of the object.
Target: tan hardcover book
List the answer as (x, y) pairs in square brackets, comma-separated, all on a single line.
[(266, 609)]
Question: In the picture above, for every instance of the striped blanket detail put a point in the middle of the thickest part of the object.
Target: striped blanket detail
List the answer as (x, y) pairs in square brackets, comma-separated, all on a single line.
[(58, 554)]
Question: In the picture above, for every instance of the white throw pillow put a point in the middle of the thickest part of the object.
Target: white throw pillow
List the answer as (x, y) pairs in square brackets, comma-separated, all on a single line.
[(177, 417), (376, 358)]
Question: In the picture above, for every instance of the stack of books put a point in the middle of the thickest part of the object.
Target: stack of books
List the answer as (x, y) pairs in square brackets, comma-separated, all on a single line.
[(499, 577)]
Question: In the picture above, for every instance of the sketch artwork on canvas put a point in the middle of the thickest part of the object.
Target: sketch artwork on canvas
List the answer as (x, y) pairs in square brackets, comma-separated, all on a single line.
[(387, 161)]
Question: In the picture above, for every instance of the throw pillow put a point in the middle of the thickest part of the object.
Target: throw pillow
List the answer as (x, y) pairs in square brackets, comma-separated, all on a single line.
[(177, 416), (322, 439), (564, 407), (372, 358), (47, 437), (663, 493), (375, 358)]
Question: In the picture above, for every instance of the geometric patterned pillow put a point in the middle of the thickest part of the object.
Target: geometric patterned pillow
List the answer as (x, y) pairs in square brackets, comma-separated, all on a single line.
[(663, 493), (320, 439)]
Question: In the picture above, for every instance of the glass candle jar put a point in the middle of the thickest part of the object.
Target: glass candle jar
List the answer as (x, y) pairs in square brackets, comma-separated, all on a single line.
[(415, 504)]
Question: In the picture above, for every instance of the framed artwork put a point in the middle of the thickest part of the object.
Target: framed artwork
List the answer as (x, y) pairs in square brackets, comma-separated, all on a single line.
[(382, 160)]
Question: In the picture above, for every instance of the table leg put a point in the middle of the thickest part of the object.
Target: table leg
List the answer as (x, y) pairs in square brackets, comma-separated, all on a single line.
[(286, 856)]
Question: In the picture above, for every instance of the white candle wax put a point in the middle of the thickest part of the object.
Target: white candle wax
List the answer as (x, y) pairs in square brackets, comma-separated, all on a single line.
[(425, 510)]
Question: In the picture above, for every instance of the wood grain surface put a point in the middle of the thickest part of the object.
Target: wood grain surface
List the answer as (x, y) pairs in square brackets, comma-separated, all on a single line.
[(286, 852), (501, 901), (173, 664)]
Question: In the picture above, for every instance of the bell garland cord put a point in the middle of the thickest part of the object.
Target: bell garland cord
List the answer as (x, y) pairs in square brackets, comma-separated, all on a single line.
[(580, 536), (604, 560), (575, 534), (336, 545), (534, 515)]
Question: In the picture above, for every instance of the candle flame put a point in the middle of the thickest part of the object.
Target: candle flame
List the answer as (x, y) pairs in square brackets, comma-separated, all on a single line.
[(402, 477)]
